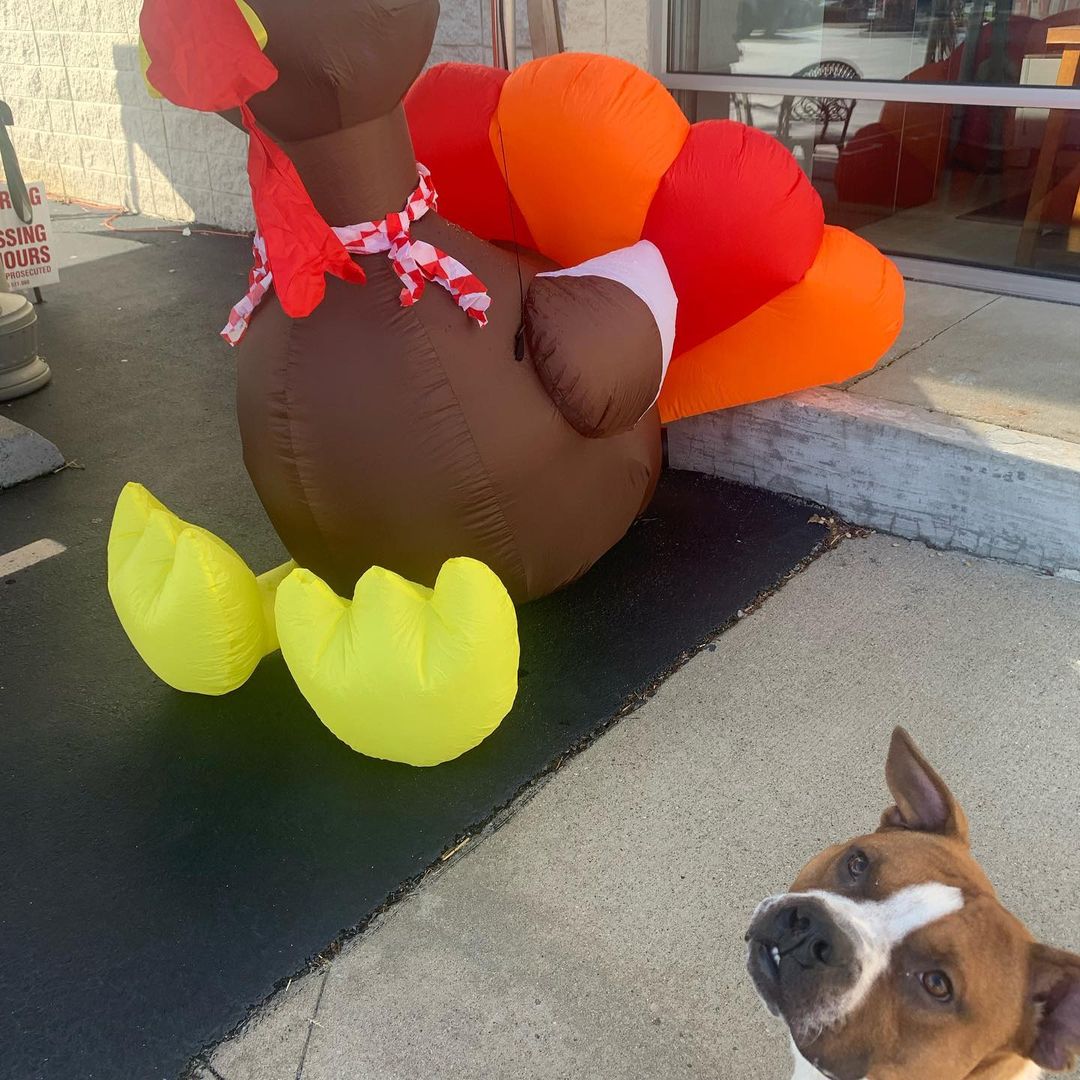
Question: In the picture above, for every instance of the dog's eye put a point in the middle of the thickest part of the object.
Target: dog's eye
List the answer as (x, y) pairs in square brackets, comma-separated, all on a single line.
[(937, 985), (858, 864)]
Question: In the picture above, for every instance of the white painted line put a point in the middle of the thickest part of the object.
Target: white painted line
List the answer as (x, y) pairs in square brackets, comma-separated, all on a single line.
[(21, 558)]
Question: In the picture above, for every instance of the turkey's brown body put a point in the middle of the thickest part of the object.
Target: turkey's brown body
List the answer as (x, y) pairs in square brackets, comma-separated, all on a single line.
[(378, 435)]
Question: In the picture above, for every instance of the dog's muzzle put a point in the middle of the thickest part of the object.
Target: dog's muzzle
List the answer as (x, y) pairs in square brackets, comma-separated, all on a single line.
[(802, 962)]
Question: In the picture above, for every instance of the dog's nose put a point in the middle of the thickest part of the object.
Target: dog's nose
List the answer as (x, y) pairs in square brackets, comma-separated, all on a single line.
[(804, 932)]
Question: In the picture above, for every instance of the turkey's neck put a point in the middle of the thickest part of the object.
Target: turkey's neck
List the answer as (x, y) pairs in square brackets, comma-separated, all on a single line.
[(361, 173)]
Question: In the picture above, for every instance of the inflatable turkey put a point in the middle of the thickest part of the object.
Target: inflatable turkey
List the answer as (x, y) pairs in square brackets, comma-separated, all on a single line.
[(470, 309)]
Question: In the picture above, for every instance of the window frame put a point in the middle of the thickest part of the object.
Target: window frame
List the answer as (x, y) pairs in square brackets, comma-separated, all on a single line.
[(1017, 281)]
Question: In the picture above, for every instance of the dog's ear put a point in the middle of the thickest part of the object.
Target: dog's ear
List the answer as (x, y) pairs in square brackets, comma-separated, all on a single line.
[(923, 801), (1054, 986)]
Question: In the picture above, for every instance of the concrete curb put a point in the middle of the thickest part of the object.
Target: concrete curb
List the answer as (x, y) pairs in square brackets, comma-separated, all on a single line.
[(952, 483), (24, 454)]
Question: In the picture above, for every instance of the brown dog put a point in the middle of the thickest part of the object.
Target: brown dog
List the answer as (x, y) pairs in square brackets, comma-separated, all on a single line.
[(892, 958)]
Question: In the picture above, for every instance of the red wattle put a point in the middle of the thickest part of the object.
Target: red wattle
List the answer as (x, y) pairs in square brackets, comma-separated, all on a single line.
[(301, 247)]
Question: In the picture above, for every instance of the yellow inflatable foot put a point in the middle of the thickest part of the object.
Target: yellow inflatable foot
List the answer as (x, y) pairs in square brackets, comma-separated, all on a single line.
[(195, 613), (404, 672)]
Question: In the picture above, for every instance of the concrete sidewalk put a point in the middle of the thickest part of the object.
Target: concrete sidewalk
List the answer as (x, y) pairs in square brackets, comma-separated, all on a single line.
[(966, 435), (598, 933)]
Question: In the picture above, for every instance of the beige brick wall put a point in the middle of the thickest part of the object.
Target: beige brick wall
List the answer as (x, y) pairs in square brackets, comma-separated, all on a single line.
[(85, 125)]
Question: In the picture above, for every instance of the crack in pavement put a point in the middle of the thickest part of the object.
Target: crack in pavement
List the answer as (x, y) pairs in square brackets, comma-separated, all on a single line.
[(907, 352), (312, 1024)]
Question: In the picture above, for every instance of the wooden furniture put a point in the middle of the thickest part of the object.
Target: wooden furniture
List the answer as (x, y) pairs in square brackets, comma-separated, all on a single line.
[(1042, 188)]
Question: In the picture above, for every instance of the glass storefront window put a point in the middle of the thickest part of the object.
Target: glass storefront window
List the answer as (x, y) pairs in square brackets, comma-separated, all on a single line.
[(987, 42), (955, 182)]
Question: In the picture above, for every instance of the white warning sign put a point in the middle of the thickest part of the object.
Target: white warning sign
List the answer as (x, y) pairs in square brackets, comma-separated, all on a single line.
[(26, 249)]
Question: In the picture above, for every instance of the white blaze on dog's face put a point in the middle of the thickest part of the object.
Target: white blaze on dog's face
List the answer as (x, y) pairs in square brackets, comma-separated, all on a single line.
[(891, 958)]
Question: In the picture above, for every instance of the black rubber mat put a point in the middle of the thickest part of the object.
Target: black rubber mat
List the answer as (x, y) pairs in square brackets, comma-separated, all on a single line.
[(167, 859)]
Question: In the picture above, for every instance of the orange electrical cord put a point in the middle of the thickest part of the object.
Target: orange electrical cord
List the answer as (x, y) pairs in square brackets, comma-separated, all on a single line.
[(122, 211)]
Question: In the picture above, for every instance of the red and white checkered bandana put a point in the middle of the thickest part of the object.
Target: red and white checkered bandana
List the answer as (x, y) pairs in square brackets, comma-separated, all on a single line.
[(414, 261)]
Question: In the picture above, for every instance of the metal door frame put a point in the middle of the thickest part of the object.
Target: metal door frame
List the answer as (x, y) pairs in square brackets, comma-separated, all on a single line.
[(1016, 282)]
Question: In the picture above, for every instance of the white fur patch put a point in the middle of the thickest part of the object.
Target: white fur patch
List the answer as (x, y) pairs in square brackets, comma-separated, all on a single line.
[(886, 923), (1030, 1071)]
